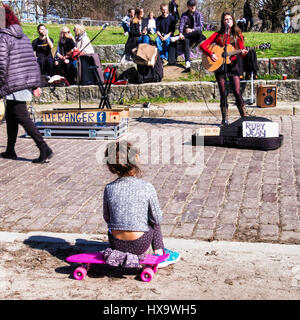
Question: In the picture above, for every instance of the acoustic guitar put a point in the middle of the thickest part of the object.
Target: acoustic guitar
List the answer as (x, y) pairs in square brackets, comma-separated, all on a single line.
[(210, 65)]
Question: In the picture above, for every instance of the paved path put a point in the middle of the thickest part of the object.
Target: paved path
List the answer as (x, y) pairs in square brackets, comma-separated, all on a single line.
[(240, 195)]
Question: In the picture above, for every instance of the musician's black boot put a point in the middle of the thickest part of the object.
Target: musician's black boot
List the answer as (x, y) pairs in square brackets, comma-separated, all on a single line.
[(242, 111), (45, 154), (224, 112)]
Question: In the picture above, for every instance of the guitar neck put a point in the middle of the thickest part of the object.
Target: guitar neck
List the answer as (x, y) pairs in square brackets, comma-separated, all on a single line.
[(235, 52)]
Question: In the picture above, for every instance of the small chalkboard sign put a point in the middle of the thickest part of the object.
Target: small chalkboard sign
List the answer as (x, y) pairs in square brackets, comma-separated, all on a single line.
[(208, 131)]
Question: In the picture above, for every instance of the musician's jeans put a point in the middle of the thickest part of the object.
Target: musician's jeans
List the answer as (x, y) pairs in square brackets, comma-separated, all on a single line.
[(17, 113), (163, 47), (236, 88)]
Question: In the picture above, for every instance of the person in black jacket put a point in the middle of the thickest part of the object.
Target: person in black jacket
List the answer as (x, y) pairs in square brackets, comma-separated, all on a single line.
[(248, 15), (173, 9), (138, 33), (64, 63), (20, 78)]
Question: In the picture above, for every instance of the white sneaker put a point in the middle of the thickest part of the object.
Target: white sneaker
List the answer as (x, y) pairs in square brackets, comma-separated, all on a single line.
[(173, 258)]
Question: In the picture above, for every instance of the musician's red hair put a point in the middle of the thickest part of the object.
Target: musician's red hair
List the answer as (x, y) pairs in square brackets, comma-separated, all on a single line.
[(10, 17)]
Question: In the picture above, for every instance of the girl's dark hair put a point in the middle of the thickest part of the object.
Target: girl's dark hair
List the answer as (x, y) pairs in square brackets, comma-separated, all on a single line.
[(10, 17), (235, 33), (121, 159), (137, 12)]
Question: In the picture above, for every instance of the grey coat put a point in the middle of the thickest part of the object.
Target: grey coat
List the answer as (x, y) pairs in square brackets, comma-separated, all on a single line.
[(18, 66)]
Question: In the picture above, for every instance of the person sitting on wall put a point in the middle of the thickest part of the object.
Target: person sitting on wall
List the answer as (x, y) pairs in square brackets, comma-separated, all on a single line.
[(82, 41), (138, 33), (63, 60), (151, 23), (126, 21), (165, 27), (190, 30), (42, 47)]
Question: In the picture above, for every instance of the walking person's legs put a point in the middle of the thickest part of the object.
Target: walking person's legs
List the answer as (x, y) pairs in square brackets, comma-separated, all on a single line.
[(18, 114), (12, 132)]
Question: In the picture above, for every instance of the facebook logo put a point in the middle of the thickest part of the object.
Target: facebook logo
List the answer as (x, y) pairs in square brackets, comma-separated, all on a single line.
[(101, 117)]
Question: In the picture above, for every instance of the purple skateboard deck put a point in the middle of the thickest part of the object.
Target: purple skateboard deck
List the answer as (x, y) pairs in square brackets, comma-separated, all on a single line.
[(86, 259)]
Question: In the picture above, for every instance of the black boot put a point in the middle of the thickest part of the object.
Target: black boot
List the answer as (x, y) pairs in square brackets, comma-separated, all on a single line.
[(45, 153), (224, 112), (9, 153)]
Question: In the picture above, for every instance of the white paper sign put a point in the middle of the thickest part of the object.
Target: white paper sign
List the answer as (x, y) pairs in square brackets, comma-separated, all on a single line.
[(256, 129)]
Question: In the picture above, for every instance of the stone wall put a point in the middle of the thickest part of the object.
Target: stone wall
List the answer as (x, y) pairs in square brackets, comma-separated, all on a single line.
[(288, 65), (287, 90)]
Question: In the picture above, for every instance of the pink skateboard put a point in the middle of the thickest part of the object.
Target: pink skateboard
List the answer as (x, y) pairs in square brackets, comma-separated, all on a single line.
[(86, 259)]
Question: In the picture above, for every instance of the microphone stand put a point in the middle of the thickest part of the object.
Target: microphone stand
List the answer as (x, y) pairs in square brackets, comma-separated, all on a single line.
[(224, 67), (77, 55)]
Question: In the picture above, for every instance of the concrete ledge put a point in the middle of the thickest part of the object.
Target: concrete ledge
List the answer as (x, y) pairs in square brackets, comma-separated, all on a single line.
[(184, 109), (287, 90)]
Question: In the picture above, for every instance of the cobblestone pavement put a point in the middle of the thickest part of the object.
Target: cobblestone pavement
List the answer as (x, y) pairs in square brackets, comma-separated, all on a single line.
[(241, 195)]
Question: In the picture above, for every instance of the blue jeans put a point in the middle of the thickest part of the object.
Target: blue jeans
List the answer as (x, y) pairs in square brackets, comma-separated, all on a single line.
[(126, 27), (163, 47), (144, 39), (287, 24)]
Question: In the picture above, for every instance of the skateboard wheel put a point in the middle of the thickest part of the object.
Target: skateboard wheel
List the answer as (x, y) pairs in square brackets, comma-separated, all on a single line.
[(80, 273), (147, 275)]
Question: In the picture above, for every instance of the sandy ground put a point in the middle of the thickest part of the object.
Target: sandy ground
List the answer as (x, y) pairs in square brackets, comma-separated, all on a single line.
[(33, 266)]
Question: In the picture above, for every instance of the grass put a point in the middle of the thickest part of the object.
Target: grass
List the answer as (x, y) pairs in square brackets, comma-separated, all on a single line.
[(282, 44), (153, 100)]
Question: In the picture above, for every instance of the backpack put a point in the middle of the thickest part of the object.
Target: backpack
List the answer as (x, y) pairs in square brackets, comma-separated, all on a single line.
[(145, 54), (106, 73), (148, 74)]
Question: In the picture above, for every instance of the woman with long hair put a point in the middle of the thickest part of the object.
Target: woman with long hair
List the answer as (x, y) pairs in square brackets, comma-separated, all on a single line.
[(64, 62), (138, 32), (229, 33)]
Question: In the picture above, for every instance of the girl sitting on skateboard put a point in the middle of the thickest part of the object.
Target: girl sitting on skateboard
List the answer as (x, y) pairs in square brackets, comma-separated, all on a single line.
[(130, 206)]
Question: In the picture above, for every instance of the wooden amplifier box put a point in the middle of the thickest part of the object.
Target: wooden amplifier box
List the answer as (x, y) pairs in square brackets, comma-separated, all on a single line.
[(266, 96)]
